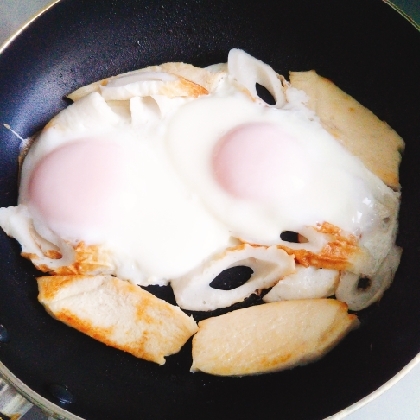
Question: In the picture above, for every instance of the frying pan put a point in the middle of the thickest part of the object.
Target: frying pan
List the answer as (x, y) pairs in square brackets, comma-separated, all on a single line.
[(362, 45)]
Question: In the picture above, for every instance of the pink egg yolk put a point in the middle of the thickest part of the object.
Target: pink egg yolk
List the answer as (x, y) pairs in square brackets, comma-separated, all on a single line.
[(75, 184), (258, 161)]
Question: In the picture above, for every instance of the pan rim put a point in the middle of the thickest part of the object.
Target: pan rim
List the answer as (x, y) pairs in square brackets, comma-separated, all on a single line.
[(45, 405), (405, 15)]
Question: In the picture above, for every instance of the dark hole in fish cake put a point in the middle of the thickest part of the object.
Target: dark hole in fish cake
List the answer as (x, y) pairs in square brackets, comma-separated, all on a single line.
[(232, 278), (265, 95)]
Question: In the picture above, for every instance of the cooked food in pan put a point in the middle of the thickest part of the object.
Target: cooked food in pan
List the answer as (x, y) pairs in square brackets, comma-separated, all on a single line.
[(173, 174)]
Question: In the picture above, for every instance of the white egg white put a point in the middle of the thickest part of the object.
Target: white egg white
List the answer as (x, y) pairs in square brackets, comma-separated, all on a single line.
[(170, 215), (321, 181)]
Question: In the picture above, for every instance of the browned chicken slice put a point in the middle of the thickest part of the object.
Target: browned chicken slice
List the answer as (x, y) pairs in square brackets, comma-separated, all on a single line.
[(353, 125), (270, 337), (117, 313)]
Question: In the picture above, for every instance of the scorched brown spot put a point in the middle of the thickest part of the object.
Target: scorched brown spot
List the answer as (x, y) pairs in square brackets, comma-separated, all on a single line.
[(335, 255)]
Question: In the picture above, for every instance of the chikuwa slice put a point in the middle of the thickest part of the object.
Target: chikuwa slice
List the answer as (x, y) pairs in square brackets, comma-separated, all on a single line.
[(270, 337), (117, 313)]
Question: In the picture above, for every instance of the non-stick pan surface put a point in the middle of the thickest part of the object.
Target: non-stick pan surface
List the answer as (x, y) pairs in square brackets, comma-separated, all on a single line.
[(363, 46)]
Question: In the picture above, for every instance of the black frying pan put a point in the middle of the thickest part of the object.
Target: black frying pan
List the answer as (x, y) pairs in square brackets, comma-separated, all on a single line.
[(363, 46)]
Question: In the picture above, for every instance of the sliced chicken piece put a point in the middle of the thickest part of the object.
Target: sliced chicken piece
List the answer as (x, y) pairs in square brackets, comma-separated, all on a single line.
[(270, 337), (353, 125), (117, 313)]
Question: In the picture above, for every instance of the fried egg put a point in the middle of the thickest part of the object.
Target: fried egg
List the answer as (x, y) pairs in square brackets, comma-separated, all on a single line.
[(114, 187), (163, 169)]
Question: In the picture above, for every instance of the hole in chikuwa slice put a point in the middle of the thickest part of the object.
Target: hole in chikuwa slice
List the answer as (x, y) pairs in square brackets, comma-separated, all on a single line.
[(232, 278), (364, 283), (294, 237)]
